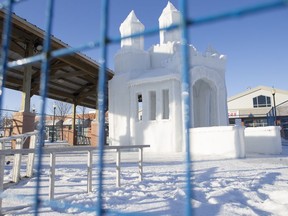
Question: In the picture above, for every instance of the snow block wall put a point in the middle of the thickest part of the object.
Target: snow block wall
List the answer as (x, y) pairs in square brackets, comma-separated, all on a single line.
[(145, 92), (263, 140), (217, 142)]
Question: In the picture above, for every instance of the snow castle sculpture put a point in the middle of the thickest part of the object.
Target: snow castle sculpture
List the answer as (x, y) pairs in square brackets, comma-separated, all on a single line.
[(145, 93)]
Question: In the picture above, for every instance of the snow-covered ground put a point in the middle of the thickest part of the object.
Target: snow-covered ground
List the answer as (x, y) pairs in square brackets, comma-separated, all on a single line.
[(256, 185)]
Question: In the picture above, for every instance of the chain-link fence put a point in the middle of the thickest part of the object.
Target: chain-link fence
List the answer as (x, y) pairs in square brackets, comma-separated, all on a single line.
[(47, 55)]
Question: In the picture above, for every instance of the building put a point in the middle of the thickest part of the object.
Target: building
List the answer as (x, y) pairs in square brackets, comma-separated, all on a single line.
[(145, 92), (60, 128), (255, 107)]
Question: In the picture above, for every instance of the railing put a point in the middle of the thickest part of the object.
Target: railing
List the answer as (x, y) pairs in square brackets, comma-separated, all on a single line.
[(83, 140), (18, 152), (275, 114), (89, 149), (19, 141)]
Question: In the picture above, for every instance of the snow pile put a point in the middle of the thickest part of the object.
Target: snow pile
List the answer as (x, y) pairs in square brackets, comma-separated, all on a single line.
[(256, 185)]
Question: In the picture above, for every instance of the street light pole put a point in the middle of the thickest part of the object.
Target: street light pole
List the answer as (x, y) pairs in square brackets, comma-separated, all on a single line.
[(53, 125), (274, 106)]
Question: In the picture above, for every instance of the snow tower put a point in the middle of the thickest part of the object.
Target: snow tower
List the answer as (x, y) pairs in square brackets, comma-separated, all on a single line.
[(145, 92)]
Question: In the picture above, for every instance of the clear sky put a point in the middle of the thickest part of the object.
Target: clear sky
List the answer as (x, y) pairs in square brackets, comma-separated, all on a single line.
[(256, 46)]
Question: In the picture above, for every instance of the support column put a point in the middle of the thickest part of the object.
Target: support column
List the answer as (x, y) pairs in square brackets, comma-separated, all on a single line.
[(72, 133), (94, 133), (23, 121), (25, 104), (74, 138)]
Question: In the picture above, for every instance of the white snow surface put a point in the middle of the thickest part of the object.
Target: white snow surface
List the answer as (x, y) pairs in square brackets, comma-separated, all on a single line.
[(256, 185)]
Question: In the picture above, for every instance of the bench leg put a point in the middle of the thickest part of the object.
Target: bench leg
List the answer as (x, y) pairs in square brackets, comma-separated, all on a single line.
[(2, 166), (118, 160), (52, 176), (140, 164), (31, 157), (89, 171), (17, 161)]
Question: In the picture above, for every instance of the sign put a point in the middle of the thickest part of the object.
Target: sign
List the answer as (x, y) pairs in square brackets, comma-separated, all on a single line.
[(233, 113)]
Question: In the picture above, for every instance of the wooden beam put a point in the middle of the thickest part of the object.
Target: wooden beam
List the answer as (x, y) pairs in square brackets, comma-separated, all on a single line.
[(90, 92), (86, 68), (15, 47)]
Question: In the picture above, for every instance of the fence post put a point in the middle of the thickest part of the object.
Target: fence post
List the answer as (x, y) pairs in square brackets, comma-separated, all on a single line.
[(140, 164), (31, 156), (118, 159), (51, 176), (2, 166), (89, 171), (17, 161)]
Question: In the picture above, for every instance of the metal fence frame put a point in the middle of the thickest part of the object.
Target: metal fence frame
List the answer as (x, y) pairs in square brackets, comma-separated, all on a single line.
[(275, 114), (47, 55)]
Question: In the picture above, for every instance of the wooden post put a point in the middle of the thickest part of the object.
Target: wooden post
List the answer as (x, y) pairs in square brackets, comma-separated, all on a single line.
[(26, 92), (2, 166), (118, 159), (140, 164), (31, 156), (74, 125), (89, 171), (52, 176), (17, 161)]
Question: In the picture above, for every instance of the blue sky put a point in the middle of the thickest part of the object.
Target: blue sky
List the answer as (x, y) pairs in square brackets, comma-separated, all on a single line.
[(256, 46)]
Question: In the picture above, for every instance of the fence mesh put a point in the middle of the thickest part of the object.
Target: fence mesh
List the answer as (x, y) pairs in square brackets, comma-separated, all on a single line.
[(47, 55)]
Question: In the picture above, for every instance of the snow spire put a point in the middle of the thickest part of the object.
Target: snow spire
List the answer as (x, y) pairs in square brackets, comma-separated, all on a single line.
[(170, 15), (169, 7), (132, 25)]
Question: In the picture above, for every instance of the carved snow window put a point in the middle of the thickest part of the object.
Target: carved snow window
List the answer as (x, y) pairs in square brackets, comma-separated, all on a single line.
[(152, 97), (139, 107), (165, 104)]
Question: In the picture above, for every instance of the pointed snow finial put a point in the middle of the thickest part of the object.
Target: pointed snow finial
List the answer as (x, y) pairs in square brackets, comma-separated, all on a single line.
[(132, 17), (169, 16), (169, 8), (131, 21), (132, 25)]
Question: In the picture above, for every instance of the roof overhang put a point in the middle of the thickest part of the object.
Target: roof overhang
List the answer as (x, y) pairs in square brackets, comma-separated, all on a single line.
[(73, 78)]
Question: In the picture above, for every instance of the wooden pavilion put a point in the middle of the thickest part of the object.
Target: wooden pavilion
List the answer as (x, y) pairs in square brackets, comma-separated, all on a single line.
[(73, 78)]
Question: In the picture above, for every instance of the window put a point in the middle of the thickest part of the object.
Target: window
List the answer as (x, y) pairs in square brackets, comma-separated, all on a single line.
[(152, 96), (139, 107), (261, 101), (165, 104)]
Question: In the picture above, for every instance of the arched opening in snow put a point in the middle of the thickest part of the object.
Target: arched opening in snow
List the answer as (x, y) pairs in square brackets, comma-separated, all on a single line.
[(204, 103)]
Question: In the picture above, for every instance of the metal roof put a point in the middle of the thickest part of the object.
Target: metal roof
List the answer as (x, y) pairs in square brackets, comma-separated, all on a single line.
[(73, 78), (258, 88)]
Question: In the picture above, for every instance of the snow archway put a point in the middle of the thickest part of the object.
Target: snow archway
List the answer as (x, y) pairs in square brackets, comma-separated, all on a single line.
[(208, 94), (204, 104)]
